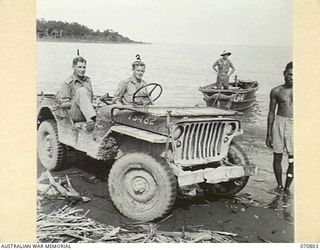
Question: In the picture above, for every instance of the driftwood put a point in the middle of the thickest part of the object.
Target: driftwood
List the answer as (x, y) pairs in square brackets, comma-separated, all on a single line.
[(62, 187), (72, 225)]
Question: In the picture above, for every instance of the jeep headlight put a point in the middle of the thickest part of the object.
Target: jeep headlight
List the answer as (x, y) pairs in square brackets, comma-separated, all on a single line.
[(177, 132), (231, 128)]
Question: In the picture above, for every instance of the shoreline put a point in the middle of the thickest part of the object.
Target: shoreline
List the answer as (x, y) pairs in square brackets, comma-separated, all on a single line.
[(85, 41)]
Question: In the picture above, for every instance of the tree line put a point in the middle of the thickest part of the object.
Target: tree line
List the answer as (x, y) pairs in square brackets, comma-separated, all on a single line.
[(74, 31)]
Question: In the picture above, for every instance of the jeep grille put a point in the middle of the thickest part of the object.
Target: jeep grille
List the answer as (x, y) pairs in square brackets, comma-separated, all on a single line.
[(203, 142)]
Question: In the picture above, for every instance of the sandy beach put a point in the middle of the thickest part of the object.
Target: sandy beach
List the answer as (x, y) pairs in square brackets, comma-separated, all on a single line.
[(256, 214)]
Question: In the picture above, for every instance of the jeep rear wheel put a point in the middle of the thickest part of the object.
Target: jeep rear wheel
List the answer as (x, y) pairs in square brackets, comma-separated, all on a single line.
[(51, 152), (142, 187), (227, 189)]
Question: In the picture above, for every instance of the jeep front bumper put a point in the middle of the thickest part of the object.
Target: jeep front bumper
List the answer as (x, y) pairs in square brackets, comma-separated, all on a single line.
[(214, 175)]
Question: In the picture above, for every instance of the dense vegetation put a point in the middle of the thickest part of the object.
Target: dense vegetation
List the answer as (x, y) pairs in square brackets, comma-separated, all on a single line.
[(58, 30)]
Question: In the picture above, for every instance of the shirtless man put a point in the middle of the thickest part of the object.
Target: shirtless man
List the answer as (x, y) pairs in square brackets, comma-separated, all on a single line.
[(280, 127)]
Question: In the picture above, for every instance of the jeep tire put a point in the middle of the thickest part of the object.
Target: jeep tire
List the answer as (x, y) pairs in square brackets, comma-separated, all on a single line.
[(51, 152), (227, 189), (142, 187)]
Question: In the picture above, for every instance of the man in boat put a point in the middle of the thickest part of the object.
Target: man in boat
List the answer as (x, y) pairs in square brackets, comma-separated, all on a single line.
[(280, 127), (76, 94), (222, 67), (128, 87)]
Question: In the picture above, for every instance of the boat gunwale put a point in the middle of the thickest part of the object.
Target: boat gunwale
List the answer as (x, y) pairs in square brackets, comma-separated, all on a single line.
[(208, 88), (236, 91)]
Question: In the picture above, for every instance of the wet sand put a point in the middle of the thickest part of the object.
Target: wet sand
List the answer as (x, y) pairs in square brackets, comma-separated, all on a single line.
[(256, 214)]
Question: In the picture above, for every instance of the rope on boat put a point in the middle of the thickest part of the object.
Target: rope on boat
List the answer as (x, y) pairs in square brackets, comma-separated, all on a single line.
[(218, 95), (214, 102), (251, 86)]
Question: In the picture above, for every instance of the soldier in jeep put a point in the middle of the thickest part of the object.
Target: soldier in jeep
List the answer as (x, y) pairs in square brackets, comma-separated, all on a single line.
[(127, 88), (76, 94)]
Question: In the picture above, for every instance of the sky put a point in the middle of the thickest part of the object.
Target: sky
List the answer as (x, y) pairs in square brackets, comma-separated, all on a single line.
[(217, 22)]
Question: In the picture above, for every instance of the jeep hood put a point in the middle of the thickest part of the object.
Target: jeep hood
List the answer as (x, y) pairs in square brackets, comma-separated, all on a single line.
[(183, 111)]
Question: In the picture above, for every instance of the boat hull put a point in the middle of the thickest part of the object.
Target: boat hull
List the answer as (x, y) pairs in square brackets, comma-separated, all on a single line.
[(237, 97)]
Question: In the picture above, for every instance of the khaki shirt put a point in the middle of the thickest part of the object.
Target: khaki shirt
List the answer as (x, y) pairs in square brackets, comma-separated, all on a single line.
[(223, 66), (68, 89), (127, 88)]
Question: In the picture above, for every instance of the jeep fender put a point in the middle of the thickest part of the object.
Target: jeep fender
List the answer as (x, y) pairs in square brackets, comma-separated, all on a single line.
[(66, 132), (139, 134), (132, 140), (45, 113)]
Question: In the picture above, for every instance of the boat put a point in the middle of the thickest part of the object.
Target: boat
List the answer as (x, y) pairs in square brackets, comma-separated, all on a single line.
[(241, 95)]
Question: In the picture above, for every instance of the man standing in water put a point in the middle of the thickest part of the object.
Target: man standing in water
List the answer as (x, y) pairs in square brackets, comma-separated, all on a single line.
[(280, 127), (222, 67), (76, 93)]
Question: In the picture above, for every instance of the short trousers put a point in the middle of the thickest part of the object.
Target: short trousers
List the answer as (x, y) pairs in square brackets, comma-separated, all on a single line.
[(222, 80), (282, 135)]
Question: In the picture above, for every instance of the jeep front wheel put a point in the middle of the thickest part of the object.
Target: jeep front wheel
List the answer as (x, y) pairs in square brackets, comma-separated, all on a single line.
[(236, 156), (51, 152), (142, 187)]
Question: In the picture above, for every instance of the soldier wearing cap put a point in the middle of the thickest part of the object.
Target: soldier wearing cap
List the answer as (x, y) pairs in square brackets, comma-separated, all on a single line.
[(222, 67), (76, 93), (126, 88)]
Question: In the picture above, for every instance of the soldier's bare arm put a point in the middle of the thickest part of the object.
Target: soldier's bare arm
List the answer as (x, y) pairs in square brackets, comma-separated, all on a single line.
[(232, 68), (271, 115), (214, 66)]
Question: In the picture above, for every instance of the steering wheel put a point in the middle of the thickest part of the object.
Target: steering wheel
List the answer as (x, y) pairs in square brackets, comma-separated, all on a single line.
[(139, 94)]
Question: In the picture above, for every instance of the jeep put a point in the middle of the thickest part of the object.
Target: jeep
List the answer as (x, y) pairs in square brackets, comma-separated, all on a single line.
[(156, 150)]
